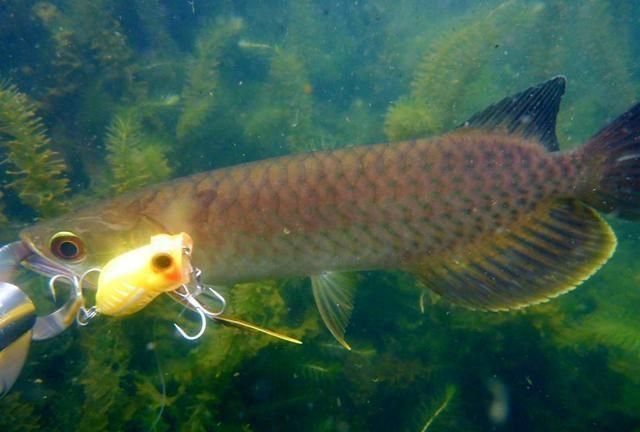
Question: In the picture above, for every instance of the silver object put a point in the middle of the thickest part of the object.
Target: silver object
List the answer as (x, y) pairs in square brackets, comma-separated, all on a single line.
[(10, 256), (56, 322), (19, 323), (17, 318)]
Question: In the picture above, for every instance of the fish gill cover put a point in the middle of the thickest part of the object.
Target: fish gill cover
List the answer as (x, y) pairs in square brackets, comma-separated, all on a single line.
[(98, 97)]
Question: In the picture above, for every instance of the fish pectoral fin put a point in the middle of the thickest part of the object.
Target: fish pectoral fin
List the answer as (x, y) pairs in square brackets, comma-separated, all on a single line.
[(529, 114), (549, 253), (333, 293)]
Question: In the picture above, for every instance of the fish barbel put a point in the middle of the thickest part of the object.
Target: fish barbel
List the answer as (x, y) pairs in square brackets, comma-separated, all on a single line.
[(490, 216)]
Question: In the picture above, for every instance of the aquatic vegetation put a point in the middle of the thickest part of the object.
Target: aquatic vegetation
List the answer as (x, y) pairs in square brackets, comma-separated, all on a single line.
[(477, 51), (132, 93), (103, 376), (36, 172), (98, 29), (87, 40), (17, 411), (614, 329), (68, 59), (134, 159), (608, 322), (438, 101), (156, 28), (608, 81), (200, 92), (439, 409), (284, 110), (409, 118)]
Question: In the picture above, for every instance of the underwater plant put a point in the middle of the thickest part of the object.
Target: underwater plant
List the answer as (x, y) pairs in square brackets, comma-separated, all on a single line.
[(284, 108), (133, 158), (483, 55), (98, 29), (90, 49), (37, 172), (606, 322), (67, 61), (200, 91), (17, 411), (439, 408), (289, 76), (439, 101), (103, 378), (156, 27)]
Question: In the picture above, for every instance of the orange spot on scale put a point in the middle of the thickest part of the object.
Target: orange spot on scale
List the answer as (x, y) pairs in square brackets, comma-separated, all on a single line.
[(307, 88)]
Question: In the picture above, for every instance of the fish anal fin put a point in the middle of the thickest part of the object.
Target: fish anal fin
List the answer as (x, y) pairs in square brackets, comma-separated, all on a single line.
[(333, 293), (529, 114), (550, 253)]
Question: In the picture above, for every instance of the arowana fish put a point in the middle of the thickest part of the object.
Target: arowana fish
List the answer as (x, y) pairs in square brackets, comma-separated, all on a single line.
[(490, 216)]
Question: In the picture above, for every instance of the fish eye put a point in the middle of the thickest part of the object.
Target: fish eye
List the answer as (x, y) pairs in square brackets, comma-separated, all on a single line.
[(161, 261), (67, 246)]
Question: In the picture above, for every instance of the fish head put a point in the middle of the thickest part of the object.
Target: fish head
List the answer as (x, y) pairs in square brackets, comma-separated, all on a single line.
[(87, 239)]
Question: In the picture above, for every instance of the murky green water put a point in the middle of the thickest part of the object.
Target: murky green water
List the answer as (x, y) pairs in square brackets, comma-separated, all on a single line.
[(130, 93)]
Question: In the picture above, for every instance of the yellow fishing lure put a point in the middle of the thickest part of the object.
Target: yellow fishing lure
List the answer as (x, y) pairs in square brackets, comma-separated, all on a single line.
[(132, 280)]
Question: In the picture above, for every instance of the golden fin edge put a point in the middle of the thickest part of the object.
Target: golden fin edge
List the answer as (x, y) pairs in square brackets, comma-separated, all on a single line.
[(551, 253)]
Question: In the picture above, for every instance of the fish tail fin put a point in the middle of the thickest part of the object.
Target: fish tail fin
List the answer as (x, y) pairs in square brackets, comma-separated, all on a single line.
[(613, 156)]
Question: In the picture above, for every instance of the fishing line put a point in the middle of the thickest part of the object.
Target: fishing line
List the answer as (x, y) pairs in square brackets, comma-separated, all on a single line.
[(163, 386)]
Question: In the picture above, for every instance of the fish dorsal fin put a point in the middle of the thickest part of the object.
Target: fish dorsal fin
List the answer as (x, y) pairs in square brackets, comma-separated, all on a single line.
[(530, 114), (333, 293), (548, 253)]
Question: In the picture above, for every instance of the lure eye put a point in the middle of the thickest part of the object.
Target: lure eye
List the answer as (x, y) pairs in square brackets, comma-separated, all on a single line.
[(67, 246), (161, 262)]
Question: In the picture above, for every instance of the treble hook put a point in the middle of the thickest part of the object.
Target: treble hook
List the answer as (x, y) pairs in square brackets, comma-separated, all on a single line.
[(219, 297), (203, 319), (71, 280), (84, 314), (198, 307)]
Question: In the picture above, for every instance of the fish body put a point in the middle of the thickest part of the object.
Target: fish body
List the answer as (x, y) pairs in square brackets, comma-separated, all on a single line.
[(386, 206), (491, 216)]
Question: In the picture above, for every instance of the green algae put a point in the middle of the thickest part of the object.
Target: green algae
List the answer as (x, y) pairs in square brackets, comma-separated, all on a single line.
[(284, 112)]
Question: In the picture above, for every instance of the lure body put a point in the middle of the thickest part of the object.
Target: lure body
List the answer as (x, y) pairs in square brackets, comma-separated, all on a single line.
[(133, 279)]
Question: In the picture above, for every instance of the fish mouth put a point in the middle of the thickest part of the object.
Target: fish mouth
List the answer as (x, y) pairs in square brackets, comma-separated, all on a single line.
[(46, 267), (35, 261), (11, 256)]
